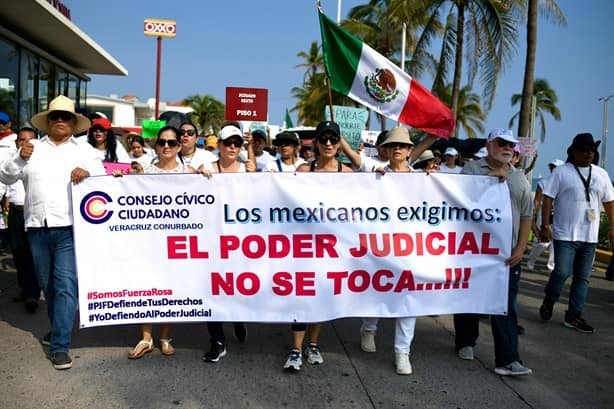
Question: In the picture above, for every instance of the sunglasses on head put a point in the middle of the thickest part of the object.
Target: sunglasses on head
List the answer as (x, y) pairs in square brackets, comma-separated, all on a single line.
[(324, 139), (189, 132), (233, 141), (502, 143), (172, 143), (61, 116)]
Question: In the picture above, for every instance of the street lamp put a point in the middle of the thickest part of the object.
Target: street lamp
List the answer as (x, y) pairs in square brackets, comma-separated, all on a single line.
[(605, 127)]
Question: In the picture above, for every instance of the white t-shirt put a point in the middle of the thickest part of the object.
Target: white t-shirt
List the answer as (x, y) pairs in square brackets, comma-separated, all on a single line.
[(200, 157), (571, 209), (368, 164), (444, 169), (145, 159), (263, 160), (122, 155), (274, 165)]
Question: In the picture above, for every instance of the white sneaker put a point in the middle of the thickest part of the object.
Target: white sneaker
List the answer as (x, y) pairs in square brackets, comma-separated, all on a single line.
[(402, 363), (367, 340), (513, 369), (466, 353), (294, 361), (312, 352)]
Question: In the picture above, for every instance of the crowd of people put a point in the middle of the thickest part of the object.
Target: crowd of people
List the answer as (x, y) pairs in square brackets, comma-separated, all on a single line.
[(564, 216)]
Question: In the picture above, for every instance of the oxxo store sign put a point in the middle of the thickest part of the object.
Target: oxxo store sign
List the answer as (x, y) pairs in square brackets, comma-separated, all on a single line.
[(247, 104), (160, 28)]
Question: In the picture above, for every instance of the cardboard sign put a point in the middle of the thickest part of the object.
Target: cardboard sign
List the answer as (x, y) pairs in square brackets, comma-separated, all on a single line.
[(351, 121), (151, 127), (247, 104), (110, 167)]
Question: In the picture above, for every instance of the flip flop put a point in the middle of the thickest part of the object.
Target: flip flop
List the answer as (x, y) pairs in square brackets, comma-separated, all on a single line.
[(141, 349), (165, 346)]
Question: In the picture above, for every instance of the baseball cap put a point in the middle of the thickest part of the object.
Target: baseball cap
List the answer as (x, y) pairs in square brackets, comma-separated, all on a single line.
[(450, 151), (505, 134), (482, 153), (291, 137), (228, 132), (4, 117), (556, 162), (259, 133), (211, 141), (328, 126), (103, 123)]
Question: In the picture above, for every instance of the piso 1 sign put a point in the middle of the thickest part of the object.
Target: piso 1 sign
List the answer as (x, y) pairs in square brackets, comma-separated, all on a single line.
[(247, 104)]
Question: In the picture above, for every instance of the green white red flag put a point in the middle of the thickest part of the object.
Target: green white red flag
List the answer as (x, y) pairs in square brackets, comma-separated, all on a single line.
[(361, 73)]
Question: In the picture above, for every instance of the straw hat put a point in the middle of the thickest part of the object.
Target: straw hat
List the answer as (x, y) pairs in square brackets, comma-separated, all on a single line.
[(61, 103)]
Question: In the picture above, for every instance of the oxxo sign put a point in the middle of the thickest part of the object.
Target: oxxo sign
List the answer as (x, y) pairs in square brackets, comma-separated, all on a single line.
[(160, 28), (246, 104)]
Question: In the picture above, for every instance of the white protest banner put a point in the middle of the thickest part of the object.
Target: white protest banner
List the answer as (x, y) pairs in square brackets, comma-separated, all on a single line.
[(284, 247)]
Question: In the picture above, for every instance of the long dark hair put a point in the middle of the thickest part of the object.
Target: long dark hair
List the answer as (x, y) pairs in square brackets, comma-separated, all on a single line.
[(110, 144)]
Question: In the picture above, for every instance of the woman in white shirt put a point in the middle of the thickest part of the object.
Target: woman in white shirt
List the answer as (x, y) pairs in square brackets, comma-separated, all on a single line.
[(102, 138)]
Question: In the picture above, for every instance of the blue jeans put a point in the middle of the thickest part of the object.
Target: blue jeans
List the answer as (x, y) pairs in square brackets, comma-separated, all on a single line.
[(504, 327), (571, 257), (54, 262)]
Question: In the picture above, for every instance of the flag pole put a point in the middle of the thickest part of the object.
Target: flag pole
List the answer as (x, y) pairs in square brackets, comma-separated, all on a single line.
[(330, 99)]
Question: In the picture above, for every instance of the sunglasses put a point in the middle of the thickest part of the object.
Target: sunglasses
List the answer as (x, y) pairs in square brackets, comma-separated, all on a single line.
[(2, 123), (502, 143), (324, 139), (172, 143), (98, 129), (586, 148), (60, 116), (189, 132), (230, 142), (398, 145)]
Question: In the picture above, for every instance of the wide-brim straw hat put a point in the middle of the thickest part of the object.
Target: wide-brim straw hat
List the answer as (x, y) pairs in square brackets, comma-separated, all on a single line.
[(60, 103)]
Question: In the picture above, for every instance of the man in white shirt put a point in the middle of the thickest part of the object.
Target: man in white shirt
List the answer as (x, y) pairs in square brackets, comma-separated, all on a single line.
[(577, 188), (450, 155), (259, 142), (47, 167)]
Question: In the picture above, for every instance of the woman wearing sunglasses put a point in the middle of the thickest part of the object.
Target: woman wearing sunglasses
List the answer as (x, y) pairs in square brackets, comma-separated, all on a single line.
[(167, 148), (327, 147), (102, 138), (189, 154), (229, 144), (398, 147)]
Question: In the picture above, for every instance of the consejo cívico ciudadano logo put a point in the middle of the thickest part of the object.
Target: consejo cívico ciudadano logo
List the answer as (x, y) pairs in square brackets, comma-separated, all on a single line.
[(94, 207)]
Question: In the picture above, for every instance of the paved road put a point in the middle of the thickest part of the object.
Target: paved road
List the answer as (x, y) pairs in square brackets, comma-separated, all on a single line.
[(571, 370)]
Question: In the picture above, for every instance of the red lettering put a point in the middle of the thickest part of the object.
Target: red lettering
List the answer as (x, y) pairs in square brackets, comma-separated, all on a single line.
[(468, 244), (248, 283), (228, 244), (358, 281), (247, 244), (194, 252), (406, 282), (377, 280), (402, 244), (325, 243), (486, 249), (361, 250), (337, 277), (174, 244), (283, 283), (225, 284), (302, 246), (305, 283), (431, 248), (279, 246)]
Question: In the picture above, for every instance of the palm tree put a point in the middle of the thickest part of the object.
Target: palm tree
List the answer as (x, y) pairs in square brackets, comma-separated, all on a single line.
[(546, 100), (208, 112), (312, 97), (313, 61), (482, 31), (470, 115), (528, 9)]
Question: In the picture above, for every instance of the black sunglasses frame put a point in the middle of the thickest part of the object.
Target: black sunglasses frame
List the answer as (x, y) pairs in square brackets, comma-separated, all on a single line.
[(324, 139), (188, 132), (172, 143), (59, 115), (502, 143)]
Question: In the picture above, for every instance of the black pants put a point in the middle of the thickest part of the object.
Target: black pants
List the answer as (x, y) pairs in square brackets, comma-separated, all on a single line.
[(18, 239), (216, 331)]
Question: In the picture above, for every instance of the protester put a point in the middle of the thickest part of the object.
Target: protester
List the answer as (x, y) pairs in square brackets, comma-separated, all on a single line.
[(189, 154), (211, 143), (450, 161), (102, 138), (426, 162), (47, 167), (306, 153), (500, 146), (287, 143), (261, 155), (577, 189), (397, 147), (229, 145), (327, 146), (138, 152), (538, 246)]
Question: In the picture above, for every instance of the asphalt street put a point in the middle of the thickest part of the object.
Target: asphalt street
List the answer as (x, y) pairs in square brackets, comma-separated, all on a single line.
[(571, 370)]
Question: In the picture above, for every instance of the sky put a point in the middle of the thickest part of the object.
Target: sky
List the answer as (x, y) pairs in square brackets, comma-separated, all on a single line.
[(250, 43)]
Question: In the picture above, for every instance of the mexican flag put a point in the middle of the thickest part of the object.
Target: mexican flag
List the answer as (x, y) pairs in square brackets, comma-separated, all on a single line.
[(361, 73)]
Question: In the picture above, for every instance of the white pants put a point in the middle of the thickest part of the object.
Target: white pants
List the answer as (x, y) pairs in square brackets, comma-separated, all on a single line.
[(537, 249), (403, 332)]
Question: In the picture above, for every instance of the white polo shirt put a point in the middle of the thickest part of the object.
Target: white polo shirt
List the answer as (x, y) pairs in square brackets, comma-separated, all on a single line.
[(46, 178)]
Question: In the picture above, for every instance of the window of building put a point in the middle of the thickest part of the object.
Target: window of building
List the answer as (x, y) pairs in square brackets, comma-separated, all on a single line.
[(28, 82), (9, 68), (45, 85)]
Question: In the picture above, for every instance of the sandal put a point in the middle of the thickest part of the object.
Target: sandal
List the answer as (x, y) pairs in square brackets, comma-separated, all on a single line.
[(165, 346), (141, 349)]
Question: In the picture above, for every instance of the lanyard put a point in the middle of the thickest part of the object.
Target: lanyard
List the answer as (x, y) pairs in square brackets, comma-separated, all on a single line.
[(586, 182)]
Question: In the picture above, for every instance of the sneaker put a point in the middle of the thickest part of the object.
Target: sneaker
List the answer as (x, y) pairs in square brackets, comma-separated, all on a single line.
[(402, 363), (466, 353), (513, 369), (61, 360), (294, 361), (240, 331), (367, 340), (578, 324), (46, 341), (545, 311), (312, 352), (216, 352)]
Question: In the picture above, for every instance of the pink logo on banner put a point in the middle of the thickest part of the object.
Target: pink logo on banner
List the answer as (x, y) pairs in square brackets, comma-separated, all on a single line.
[(93, 207)]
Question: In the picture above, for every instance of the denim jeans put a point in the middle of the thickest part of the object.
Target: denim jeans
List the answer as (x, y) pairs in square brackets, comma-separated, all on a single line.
[(54, 262), (504, 327), (571, 257)]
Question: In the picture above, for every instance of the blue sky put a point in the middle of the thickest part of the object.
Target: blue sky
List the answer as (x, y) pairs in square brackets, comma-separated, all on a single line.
[(254, 44)]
